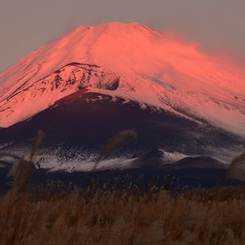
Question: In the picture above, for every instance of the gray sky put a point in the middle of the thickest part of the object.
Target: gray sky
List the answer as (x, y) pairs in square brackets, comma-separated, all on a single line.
[(28, 24)]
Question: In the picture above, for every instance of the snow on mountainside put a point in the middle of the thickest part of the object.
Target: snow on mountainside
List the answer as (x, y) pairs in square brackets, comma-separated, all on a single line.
[(129, 61)]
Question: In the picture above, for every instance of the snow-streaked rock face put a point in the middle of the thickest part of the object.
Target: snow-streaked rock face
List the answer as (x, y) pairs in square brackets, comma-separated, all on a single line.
[(45, 92), (130, 61)]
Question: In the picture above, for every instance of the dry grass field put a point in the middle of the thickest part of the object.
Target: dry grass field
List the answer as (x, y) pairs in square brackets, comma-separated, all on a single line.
[(215, 216)]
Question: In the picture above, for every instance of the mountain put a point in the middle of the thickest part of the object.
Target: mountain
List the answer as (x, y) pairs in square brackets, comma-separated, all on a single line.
[(96, 81)]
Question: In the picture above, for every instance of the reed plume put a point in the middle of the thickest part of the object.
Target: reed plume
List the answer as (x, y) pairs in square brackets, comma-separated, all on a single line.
[(113, 142)]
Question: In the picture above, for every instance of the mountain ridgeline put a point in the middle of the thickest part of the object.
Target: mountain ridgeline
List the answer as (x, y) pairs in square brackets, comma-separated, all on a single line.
[(93, 82)]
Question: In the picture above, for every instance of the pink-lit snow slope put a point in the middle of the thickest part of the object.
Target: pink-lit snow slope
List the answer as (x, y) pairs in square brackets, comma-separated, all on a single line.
[(154, 69)]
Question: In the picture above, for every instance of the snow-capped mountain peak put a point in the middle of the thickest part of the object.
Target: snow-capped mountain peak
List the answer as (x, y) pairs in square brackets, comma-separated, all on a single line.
[(130, 61)]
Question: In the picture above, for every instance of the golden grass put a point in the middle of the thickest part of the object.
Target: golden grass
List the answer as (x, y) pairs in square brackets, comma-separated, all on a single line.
[(121, 217)]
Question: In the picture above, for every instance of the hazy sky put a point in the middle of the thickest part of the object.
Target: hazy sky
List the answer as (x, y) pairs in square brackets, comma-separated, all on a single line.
[(28, 24)]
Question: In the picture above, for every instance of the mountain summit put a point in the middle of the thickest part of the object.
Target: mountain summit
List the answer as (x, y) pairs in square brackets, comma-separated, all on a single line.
[(144, 66)]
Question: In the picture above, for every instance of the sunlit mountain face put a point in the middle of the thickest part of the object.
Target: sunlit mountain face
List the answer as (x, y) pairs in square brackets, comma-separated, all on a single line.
[(96, 81)]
